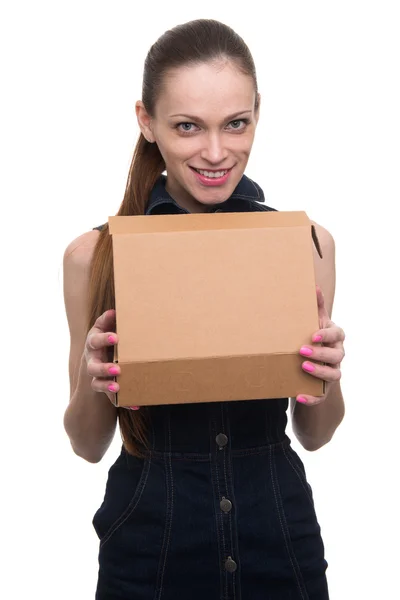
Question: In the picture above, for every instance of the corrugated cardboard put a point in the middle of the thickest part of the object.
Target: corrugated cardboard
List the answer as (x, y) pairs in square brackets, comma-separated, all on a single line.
[(213, 307)]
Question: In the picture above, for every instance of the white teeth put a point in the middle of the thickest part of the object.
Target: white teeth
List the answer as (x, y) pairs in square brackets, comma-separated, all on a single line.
[(212, 174)]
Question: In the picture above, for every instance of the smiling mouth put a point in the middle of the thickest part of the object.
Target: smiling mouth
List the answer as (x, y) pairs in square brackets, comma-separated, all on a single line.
[(212, 174)]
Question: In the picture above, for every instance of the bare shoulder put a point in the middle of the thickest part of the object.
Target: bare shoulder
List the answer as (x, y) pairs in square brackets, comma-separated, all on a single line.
[(79, 251), (76, 273)]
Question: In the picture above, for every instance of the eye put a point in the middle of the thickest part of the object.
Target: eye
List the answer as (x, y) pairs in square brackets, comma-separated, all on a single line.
[(185, 127), (239, 124)]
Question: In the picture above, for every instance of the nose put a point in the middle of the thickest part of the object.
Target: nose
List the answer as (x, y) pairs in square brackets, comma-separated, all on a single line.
[(214, 151)]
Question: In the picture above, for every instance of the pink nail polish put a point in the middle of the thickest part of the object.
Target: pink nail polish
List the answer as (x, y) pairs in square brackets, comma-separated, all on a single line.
[(112, 388), (301, 399), (308, 367), (111, 339), (317, 338), (113, 370), (134, 407), (306, 351)]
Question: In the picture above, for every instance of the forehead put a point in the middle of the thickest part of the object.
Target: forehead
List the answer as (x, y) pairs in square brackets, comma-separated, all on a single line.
[(206, 90)]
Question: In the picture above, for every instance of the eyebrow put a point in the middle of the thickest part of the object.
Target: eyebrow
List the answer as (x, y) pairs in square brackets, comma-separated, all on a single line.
[(199, 120)]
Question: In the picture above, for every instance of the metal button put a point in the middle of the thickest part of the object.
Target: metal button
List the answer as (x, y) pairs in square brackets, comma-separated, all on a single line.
[(226, 505), (230, 565), (221, 440)]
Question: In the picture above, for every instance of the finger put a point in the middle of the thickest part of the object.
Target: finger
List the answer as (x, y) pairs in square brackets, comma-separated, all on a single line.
[(99, 340), (329, 335), (325, 372), (322, 312), (310, 400), (97, 368), (131, 407), (106, 321), (320, 297), (106, 386), (325, 354)]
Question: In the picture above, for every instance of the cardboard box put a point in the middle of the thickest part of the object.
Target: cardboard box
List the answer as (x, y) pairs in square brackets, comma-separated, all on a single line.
[(213, 307)]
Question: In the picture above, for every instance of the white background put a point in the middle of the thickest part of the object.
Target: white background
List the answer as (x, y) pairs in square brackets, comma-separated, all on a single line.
[(327, 143)]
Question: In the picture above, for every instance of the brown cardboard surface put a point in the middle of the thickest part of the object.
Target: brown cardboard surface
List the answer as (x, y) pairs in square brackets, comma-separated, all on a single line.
[(213, 307)]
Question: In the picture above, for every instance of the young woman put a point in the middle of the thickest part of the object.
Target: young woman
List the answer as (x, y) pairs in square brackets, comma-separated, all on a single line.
[(206, 501)]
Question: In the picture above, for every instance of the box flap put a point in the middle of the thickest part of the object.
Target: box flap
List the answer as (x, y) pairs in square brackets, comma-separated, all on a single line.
[(215, 380), (204, 221), (210, 221)]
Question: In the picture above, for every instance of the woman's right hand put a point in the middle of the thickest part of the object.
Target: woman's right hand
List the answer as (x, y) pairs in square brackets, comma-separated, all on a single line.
[(101, 337)]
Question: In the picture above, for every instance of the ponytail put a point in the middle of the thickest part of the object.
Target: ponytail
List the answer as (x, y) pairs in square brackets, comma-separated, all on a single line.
[(146, 167)]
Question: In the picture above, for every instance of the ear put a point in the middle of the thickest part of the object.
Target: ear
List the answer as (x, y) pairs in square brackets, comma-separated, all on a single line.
[(144, 121)]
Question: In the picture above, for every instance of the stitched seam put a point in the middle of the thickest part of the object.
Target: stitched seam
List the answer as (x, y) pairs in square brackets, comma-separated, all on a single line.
[(217, 521), (132, 504), (260, 450), (255, 187), (158, 591), (229, 515), (168, 526), (238, 572), (265, 208), (206, 457), (215, 483), (160, 201), (226, 593), (181, 456), (296, 470), (236, 575), (284, 529), (244, 196), (261, 207), (221, 525)]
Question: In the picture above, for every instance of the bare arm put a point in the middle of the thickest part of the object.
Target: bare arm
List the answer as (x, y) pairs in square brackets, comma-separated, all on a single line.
[(315, 425), (90, 418)]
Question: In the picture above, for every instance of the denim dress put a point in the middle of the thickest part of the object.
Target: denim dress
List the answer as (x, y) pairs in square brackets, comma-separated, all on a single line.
[(219, 507)]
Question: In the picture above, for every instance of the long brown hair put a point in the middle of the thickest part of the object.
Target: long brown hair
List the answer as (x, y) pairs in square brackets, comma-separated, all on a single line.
[(199, 41)]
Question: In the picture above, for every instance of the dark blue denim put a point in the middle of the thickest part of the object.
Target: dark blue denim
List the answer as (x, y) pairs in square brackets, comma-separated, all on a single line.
[(219, 507)]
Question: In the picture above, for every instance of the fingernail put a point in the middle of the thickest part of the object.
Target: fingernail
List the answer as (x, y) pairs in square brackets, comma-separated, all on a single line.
[(112, 388), (306, 351), (134, 407), (113, 370), (111, 339), (301, 399), (317, 338), (308, 367)]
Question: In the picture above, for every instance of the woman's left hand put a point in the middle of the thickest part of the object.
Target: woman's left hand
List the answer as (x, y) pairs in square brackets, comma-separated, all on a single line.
[(331, 353)]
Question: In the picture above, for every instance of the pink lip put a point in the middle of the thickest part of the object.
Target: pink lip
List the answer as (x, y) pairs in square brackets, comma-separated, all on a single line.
[(216, 181)]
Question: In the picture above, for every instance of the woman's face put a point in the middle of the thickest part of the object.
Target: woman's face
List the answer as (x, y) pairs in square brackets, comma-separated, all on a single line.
[(204, 126)]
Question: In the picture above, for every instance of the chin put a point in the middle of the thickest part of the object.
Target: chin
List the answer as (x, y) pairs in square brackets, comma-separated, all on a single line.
[(219, 195), (213, 198)]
